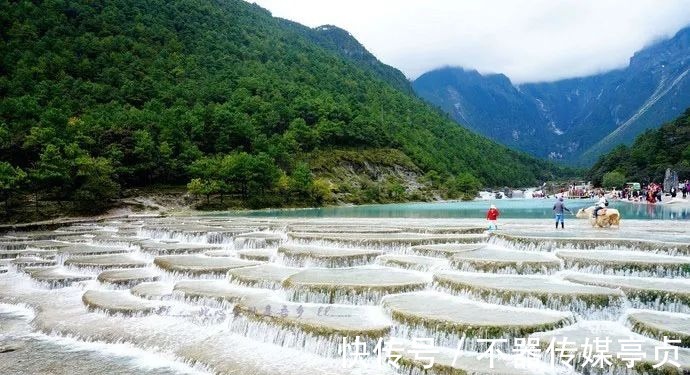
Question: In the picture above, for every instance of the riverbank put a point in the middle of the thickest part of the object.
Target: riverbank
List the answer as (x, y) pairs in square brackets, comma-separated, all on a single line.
[(174, 200)]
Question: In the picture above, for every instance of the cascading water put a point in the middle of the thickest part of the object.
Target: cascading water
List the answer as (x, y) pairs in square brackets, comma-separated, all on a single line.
[(291, 310)]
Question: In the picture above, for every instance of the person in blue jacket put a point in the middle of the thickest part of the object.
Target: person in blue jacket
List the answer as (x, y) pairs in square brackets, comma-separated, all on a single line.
[(559, 209)]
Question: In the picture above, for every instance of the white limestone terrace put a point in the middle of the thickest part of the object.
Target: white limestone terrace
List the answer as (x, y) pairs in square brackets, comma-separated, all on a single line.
[(334, 228), (115, 239), (491, 258), (387, 239), (333, 321), (219, 290), (129, 276), (671, 294), (643, 230), (222, 253), (622, 262), (217, 293), (266, 275), (153, 290), (119, 260), (153, 247), (440, 314), (12, 254), (585, 332), (20, 244), (595, 239), (258, 240), (415, 262), (56, 275), (87, 249), (445, 250), (357, 285), (62, 313), (531, 291), (116, 301), (200, 264), (326, 256), (32, 261), (262, 255), (449, 361), (658, 324)]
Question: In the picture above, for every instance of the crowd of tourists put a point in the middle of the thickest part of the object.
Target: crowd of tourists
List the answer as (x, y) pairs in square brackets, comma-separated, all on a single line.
[(652, 193)]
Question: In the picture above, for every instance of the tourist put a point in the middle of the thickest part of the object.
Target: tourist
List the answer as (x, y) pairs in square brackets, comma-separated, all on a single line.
[(687, 188), (673, 191), (649, 193), (600, 205), (492, 217), (559, 208)]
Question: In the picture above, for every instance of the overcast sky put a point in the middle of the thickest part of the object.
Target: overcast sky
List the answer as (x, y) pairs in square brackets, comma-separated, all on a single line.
[(528, 40)]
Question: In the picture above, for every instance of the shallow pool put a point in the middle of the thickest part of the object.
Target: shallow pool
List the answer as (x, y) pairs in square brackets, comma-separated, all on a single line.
[(510, 208)]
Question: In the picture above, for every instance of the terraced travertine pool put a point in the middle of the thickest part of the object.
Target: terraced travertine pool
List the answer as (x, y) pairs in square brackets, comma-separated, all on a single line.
[(257, 295)]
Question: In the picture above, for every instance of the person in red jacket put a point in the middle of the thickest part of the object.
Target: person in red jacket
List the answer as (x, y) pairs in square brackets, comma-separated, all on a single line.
[(492, 216)]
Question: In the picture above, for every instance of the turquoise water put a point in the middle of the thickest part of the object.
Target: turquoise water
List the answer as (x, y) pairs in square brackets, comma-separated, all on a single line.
[(509, 208)]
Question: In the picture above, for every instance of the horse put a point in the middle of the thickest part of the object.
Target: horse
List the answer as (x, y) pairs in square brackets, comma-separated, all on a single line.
[(606, 217), (585, 213)]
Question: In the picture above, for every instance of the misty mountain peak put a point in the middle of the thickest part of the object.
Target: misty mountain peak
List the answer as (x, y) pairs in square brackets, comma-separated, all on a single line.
[(598, 111)]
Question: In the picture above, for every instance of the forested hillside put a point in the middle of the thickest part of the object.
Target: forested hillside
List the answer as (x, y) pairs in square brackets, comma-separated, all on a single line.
[(340, 41), (96, 96), (653, 151)]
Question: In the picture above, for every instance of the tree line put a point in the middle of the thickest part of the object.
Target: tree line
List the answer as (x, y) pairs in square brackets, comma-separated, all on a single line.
[(647, 159)]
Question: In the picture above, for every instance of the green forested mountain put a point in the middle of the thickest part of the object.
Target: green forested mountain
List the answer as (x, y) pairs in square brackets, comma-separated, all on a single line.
[(100, 95), (653, 151), (342, 42)]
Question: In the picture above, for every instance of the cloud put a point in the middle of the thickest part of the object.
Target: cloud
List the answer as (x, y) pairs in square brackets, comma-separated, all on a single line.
[(528, 40)]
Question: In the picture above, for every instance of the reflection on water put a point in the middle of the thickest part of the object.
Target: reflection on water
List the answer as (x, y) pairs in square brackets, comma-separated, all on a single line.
[(510, 208)]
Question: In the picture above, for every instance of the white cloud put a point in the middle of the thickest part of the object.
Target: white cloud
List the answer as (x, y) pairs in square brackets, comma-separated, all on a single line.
[(528, 40)]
